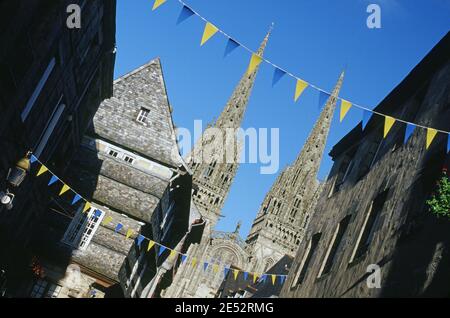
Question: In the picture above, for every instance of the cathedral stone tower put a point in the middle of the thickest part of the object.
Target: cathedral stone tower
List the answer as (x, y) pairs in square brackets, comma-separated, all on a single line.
[(215, 157), (214, 162), (280, 223)]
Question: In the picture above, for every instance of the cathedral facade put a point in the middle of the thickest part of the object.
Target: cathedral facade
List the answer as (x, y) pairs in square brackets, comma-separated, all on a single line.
[(279, 225)]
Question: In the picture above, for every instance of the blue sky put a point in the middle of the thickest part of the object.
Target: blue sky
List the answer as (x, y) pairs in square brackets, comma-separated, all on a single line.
[(314, 40)]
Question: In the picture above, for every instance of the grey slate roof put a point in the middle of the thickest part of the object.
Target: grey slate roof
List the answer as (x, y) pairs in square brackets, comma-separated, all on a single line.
[(141, 88)]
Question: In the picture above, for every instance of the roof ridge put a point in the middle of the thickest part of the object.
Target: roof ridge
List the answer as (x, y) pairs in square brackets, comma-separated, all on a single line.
[(137, 70)]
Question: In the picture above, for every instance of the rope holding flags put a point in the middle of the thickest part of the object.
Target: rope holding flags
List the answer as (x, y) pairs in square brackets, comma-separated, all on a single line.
[(139, 238), (300, 84)]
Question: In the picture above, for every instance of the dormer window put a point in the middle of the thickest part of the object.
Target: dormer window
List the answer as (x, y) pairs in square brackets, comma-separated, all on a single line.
[(128, 159), (120, 155), (143, 115), (113, 153)]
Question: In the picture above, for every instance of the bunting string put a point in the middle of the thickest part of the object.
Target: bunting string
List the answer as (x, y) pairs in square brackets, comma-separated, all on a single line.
[(301, 85), (129, 233)]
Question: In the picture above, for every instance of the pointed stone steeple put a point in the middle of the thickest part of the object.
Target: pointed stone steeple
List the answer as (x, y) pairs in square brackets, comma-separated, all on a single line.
[(308, 162), (214, 160), (280, 223)]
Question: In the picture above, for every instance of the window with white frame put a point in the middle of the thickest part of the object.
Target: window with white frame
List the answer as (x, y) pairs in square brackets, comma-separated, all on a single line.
[(45, 289), (128, 159), (82, 228), (120, 155), (113, 153), (143, 115), (50, 127), (334, 246), (369, 226), (53, 291), (37, 91), (303, 267), (39, 289)]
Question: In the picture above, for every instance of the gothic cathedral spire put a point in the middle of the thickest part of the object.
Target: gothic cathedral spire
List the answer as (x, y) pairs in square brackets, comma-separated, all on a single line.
[(214, 160), (278, 228)]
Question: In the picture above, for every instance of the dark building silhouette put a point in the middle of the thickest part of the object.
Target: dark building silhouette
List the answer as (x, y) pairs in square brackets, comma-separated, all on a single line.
[(243, 287), (52, 80), (373, 208)]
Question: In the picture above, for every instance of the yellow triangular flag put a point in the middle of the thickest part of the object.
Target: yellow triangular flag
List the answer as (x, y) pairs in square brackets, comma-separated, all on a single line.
[(64, 189), (274, 279), (388, 123), (254, 62), (157, 4), (209, 31), (42, 170), (107, 220), (299, 88), (173, 253), (431, 133), (194, 262), (150, 245), (87, 206), (215, 268), (129, 233), (236, 273), (255, 277), (345, 107)]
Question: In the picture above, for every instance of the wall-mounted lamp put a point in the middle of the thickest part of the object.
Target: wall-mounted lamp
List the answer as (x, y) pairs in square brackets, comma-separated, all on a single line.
[(17, 174), (7, 200)]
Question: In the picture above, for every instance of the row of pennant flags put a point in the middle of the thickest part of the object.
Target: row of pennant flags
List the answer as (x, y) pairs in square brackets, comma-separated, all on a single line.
[(140, 239), (301, 85)]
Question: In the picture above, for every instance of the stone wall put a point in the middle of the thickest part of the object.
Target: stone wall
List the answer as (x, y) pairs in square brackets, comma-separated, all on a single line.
[(408, 243)]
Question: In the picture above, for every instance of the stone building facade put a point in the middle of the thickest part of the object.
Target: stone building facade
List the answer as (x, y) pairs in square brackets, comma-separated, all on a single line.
[(213, 175), (52, 80), (372, 213), (130, 168), (279, 225)]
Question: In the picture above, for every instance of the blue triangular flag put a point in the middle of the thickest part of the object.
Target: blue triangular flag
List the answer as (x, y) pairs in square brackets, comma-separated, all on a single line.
[(245, 275), (53, 180), (185, 14), (277, 75), (323, 98), (231, 46), (282, 279), (76, 198), (409, 131), (225, 271), (118, 227), (161, 250), (33, 159), (263, 278), (205, 266), (139, 240), (183, 258), (97, 213), (448, 144), (366, 117)]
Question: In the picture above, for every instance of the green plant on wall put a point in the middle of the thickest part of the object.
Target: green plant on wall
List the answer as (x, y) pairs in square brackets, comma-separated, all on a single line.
[(439, 203)]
